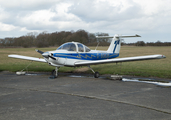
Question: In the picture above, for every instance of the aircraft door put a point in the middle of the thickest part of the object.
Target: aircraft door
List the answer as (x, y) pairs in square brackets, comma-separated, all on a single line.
[(81, 51)]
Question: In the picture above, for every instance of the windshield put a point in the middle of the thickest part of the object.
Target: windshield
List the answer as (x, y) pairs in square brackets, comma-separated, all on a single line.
[(87, 49), (68, 46)]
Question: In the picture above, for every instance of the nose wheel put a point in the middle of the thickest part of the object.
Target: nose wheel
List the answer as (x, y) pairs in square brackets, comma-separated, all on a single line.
[(96, 74)]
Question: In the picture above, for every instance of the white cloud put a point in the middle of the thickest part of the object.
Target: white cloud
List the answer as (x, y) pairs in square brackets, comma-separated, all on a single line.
[(3, 14), (61, 13), (41, 17), (152, 7), (112, 16), (28, 4), (6, 27)]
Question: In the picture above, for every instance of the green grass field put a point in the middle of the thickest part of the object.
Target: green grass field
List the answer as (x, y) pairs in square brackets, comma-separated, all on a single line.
[(150, 68)]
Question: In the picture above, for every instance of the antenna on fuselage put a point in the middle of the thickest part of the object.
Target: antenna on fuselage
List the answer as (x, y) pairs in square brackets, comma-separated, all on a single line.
[(97, 45)]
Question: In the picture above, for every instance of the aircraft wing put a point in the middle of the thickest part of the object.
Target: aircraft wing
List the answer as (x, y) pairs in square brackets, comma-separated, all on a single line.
[(127, 59), (27, 58)]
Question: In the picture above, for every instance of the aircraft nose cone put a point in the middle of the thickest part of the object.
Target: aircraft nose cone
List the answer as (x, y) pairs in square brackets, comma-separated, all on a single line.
[(45, 54)]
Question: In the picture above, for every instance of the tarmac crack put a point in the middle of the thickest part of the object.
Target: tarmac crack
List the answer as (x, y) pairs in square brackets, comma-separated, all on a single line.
[(110, 100), (92, 97)]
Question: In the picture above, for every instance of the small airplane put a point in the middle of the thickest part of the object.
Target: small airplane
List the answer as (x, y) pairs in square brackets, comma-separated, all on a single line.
[(74, 54)]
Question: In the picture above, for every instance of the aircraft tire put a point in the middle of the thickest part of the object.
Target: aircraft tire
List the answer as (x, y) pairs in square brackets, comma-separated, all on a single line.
[(96, 74)]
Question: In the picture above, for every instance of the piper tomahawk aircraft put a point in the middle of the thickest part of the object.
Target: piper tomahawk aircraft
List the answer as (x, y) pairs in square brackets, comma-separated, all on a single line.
[(75, 54)]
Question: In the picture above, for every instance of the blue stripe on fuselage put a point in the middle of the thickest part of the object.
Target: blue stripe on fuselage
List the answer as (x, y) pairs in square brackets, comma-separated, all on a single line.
[(87, 56)]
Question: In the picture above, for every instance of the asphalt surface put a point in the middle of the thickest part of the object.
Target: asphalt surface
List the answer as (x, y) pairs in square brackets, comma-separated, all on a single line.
[(36, 97)]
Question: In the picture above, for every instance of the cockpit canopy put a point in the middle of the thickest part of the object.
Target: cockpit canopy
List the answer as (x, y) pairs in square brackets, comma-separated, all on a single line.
[(74, 46)]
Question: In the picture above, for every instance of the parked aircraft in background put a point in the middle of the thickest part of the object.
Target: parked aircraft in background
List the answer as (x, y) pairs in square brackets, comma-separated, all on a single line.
[(75, 54)]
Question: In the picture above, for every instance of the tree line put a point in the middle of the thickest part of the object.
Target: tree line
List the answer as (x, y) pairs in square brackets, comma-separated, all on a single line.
[(142, 43), (45, 39)]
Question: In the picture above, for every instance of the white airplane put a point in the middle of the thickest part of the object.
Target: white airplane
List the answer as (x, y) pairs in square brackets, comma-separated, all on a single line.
[(74, 54)]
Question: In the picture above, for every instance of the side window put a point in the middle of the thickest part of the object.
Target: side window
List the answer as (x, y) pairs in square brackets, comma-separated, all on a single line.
[(87, 49), (72, 47), (80, 48)]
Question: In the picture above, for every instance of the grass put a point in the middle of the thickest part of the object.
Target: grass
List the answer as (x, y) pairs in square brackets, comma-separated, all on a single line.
[(151, 68)]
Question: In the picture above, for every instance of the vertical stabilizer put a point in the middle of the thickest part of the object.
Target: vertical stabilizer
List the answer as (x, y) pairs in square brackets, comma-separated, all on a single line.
[(115, 45)]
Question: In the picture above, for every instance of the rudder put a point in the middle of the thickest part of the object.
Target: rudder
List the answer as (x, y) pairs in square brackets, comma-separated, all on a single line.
[(115, 45)]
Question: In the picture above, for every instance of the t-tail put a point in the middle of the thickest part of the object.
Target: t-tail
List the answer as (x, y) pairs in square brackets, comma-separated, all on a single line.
[(115, 44)]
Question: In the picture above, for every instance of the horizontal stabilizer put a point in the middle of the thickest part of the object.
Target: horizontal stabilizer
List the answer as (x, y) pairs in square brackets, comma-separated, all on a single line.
[(127, 59), (27, 58), (127, 36), (104, 36), (118, 36)]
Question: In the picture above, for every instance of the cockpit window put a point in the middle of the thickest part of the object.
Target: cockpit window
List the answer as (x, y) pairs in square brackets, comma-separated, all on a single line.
[(68, 46), (80, 48), (87, 49)]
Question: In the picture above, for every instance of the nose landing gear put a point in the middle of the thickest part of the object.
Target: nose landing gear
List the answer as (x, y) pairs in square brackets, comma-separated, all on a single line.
[(96, 74), (55, 72)]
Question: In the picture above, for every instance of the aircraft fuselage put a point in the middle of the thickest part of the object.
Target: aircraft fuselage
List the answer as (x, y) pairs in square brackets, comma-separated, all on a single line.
[(69, 58)]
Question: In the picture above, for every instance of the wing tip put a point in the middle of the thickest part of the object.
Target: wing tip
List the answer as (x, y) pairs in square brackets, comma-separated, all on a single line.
[(163, 56), (137, 35)]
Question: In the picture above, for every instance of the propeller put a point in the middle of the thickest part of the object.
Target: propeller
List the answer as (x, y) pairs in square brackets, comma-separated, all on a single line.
[(39, 51), (52, 57), (46, 54)]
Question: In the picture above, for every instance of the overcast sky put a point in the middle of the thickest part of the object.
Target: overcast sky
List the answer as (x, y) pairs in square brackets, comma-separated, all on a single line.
[(149, 18)]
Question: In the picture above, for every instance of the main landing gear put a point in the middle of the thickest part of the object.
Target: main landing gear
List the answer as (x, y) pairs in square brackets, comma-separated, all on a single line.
[(55, 72), (96, 74)]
